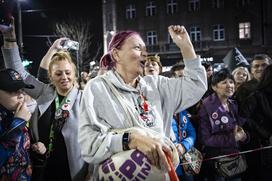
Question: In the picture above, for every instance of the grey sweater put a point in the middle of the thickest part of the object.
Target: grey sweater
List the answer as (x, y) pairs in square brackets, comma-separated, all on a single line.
[(100, 111)]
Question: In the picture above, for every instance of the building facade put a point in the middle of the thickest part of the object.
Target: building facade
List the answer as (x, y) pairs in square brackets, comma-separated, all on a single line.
[(215, 26)]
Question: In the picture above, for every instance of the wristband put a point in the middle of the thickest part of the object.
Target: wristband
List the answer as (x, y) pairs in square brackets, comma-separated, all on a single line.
[(125, 141), (10, 39)]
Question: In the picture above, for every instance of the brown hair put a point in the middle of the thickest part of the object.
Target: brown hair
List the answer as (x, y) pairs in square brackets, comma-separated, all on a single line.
[(154, 58)]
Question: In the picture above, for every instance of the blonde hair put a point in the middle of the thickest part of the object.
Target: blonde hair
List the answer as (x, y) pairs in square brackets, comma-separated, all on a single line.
[(62, 56), (154, 58), (242, 68)]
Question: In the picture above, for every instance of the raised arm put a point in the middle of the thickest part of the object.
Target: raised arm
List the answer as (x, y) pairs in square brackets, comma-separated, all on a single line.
[(182, 40), (44, 64), (56, 46), (13, 60), (10, 49)]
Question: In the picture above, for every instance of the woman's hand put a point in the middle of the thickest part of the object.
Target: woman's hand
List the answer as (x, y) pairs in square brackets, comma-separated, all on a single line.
[(8, 31), (182, 39), (153, 148), (9, 35), (57, 45), (39, 148), (239, 133)]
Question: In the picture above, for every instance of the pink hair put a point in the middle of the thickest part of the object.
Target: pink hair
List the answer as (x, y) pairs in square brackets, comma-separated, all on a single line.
[(107, 61)]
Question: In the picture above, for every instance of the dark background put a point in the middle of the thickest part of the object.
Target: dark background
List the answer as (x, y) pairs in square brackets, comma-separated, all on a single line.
[(38, 23)]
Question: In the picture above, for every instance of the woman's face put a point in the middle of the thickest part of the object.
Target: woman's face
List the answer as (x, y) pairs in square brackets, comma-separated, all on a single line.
[(209, 71), (62, 76), (130, 58), (224, 88), (240, 76), (151, 68)]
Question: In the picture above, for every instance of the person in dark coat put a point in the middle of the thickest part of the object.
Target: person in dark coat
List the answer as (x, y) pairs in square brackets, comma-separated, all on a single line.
[(258, 108), (257, 67)]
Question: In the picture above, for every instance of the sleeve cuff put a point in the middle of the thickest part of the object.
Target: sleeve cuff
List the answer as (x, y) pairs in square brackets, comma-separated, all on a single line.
[(194, 63), (116, 143), (43, 75), (17, 123), (14, 128)]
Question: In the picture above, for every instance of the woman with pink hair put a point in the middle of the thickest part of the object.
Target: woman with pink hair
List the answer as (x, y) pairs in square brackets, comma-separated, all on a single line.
[(121, 99)]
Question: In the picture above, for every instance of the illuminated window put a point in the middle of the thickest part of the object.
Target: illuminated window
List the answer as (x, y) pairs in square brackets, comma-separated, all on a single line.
[(244, 30)]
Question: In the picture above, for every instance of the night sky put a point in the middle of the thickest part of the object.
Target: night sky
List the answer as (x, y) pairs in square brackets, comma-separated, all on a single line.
[(42, 22)]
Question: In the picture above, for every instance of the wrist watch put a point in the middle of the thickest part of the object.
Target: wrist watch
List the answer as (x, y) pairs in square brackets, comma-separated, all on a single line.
[(125, 141)]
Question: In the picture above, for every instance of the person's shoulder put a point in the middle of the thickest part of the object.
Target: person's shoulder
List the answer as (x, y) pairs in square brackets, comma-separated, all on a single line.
[(209, 99), (95, 85), (249, 85)]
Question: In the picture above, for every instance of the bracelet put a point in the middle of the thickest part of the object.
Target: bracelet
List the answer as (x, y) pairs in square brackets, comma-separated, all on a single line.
[(10, 39), (125, 141)]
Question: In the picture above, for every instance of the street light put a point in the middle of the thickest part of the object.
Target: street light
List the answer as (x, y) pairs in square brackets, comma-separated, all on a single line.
[(20, 32), (109, 21)]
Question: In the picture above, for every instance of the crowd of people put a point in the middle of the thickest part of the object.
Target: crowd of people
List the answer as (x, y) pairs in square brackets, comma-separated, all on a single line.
[(131, 120)]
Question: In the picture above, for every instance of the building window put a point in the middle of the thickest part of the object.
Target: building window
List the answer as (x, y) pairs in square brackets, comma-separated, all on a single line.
[(218, 32), (195, 33), (244, 30), (170, 40), (151, 38), (217, 4), (194, 5), (242, 3), (172, 7), (150, 9), (130, 11)]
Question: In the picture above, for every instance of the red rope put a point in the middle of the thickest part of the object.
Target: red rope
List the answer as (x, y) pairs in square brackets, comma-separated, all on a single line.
[(172, 173), (231, 154)]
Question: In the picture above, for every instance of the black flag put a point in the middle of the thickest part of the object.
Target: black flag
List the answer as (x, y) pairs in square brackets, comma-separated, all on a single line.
[(235, 59)]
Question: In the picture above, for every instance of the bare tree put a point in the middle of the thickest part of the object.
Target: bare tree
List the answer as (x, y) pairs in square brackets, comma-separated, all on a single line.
[(80, 29)]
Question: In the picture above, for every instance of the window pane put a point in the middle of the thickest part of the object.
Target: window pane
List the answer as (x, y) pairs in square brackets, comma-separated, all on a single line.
[(130, 11), (150, 8), (244, 30), (151, 38), (171, 6)]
